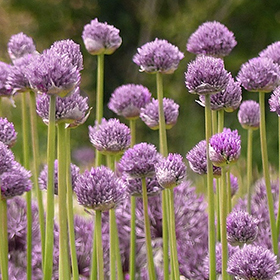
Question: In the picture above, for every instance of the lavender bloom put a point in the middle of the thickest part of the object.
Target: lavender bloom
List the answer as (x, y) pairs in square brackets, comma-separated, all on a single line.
[(249, 114), (20, 45), (272, 51), (149, 113), (274, 101), (170, 171), (253, 262), (211, 38), (6, 158), (5, 70), (110, 137), (127, 100), (83, 156), (206, 75), (259, 74), (224, 147), (197, 158), (101, 38), (158, 56), (8, 135), (233, 184), (73, 110)]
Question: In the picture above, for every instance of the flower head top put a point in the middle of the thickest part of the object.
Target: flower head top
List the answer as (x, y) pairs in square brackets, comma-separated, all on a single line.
[(6, 158), (149, 113), (211, 38), (8, 135), (249, 114), (272, 51), (127, 100), (110, 137), (101, 37), (259, 74), (5, 70), (274, 101), (224, 147), (20, 45), (158, 56), (206, 75)]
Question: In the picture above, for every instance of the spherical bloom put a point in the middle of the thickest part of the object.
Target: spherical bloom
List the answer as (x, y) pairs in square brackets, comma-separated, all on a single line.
[(43, 177), (249, 114), (20, 45), (229, 99), (149, 113), (110, 137), (206, 75), (73, 110), (99, 189), (197, 158), (139, 161), (272, 51), (253, 262), (6, 158), (259, 74), (101, 37), (211, 38), (158, 56), (8, 135), (241, 228), (170, 171), (127, 100), (5, 70), (274, 101), (224, 147)]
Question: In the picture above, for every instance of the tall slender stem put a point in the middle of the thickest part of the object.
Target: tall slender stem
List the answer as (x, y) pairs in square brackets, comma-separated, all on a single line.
[(249, 167), (112, 247), (3, 238), (94, 270), (228, 187)]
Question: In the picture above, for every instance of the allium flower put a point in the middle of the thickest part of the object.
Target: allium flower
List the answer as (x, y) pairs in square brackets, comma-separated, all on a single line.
[(233, 184), (20, 45), (127, 100), (8, 135), (73, 110), (249, 114), (110, 137), (197, 158), (139, 161), (206, 75), (170, 171), (99, 189), (5, 70), (83, 156), (253, 262), (259, 74), (274, 101), (149, 113), (211, 38), (224, 147), (158, 56), (241, 228), (6, 158), (272, 51), (101, 37), (43, 177)]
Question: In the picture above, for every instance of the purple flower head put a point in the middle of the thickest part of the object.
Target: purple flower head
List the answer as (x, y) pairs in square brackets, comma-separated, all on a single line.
[(101, 37), (211, 38), (158, 56), (274, 101), (127, 100), (233, 184), (5, 70), (110, 137), (170, 171), (149, 113), (83, 156), (8, 135), (43, 177), (99, 189), (224, 147), (259, 74), (206, 75), (197, 158), (272, 51), (20, 45), (229, 99), (249, 114), (6, 158), (139, 161), (253, 262), (73, 110)]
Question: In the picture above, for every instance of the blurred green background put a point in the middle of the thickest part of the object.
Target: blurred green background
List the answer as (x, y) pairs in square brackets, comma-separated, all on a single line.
[(255, 24)]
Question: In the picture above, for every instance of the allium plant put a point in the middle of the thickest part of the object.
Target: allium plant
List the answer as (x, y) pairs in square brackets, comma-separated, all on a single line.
[(249, 114), (272, 51), (8, 135), (5, 70)]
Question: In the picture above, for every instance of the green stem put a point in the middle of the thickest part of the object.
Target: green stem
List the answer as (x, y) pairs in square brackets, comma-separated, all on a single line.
[(3, 239), (214, 122), (218, 196), (221, 120), (249, 167), (228, 185), (112, 246), (278, 213), (132, 126), (93, 275)]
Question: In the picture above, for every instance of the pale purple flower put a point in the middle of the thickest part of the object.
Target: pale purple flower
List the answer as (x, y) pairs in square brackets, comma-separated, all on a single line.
[(249, 114), (259, 74), (158, 56), (6, 158), (127, 100), (110, 137), (253, 262), (8, 135), (211, 38), (233, 184), (149, 113), (274, 101), (206, 75), (101, 37), (272, 51), (5, 70), (224, 147), (83, 155)]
